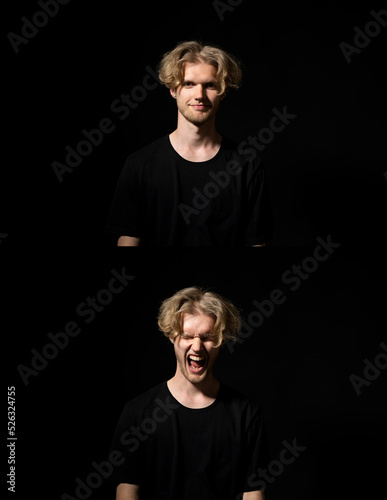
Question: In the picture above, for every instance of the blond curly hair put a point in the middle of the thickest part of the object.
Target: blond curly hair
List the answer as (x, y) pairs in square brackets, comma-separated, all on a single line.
[(195, 300), (171, 70)]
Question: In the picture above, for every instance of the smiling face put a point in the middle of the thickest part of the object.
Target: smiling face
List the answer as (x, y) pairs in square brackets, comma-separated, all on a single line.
[(194, 347), (197, 99)]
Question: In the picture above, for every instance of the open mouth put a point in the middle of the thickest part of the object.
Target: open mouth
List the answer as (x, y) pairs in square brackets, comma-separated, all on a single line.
[(196, 364)]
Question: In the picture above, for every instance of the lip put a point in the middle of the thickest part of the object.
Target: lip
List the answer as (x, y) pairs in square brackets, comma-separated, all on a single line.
[(199, 106), (198, 355), (196, 372), (192, 370), (201, 354)]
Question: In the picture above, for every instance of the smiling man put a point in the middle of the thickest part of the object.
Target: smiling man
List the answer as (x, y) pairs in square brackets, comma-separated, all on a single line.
[(191, 437), (193, 187)]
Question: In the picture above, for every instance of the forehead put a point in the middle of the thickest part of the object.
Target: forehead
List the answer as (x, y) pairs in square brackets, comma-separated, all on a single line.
[(197, 323), (199, 72)]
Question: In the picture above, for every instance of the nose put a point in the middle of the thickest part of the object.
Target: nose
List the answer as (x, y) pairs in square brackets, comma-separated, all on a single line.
[(199, 93), (197, 344)]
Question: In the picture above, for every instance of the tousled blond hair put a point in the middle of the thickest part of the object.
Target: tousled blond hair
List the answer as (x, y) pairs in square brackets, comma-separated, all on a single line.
[(171, 70), (195, 300)]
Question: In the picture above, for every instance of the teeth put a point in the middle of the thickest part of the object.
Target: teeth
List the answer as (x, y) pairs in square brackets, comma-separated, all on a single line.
[(196, 358)]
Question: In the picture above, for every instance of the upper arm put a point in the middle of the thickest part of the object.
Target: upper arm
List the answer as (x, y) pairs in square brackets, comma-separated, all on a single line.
[(124, 216), (254, 495), (127, 491), (128, 241)]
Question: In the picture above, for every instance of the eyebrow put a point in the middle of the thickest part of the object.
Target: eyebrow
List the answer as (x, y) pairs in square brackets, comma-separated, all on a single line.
[(200, 335), (187, 80)]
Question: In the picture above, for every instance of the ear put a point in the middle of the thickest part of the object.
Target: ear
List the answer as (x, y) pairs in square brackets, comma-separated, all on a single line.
[(172, 340), (173, 93)]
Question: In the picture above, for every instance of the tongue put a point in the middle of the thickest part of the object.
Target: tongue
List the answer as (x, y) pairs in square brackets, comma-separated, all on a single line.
[(195, 364)]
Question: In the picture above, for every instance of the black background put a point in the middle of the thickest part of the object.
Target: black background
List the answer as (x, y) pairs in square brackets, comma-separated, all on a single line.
[(327, 179)]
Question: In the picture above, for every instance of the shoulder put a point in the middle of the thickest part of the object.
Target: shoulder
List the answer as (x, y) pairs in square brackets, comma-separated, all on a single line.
[(240, 402), (146, 400), (138, 162), (235, 152), (141, 156)]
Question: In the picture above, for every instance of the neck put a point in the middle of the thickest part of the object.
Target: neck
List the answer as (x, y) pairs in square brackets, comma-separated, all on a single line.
[(193, 136), (207, 388)]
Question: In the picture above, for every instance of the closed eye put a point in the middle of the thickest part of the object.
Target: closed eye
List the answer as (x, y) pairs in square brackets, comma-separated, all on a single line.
[(204, 338)]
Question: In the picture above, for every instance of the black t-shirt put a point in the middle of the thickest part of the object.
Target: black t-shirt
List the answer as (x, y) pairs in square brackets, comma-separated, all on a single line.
[(179, 453), (168, 201)]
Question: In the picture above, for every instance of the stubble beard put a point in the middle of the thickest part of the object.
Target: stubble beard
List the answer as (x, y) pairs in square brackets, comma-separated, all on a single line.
[(198, 118)]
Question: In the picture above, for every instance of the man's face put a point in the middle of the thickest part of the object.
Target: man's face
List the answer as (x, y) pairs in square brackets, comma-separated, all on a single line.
[(197, 99), (194, 349)]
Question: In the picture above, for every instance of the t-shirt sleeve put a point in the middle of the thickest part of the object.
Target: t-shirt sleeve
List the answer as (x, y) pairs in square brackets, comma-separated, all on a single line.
[(259, 218), (127, 448), (124, 218), (257, 451)]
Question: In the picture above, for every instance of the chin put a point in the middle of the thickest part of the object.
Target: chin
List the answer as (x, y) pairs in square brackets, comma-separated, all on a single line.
[(200, 122), (201, 119), (196, 379)]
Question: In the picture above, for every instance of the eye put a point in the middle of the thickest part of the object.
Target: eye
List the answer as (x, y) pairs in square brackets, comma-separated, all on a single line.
[(188, 84)]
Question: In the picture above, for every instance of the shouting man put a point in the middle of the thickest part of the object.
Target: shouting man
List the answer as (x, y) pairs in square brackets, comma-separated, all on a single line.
[(193, 187), (191, 437)]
